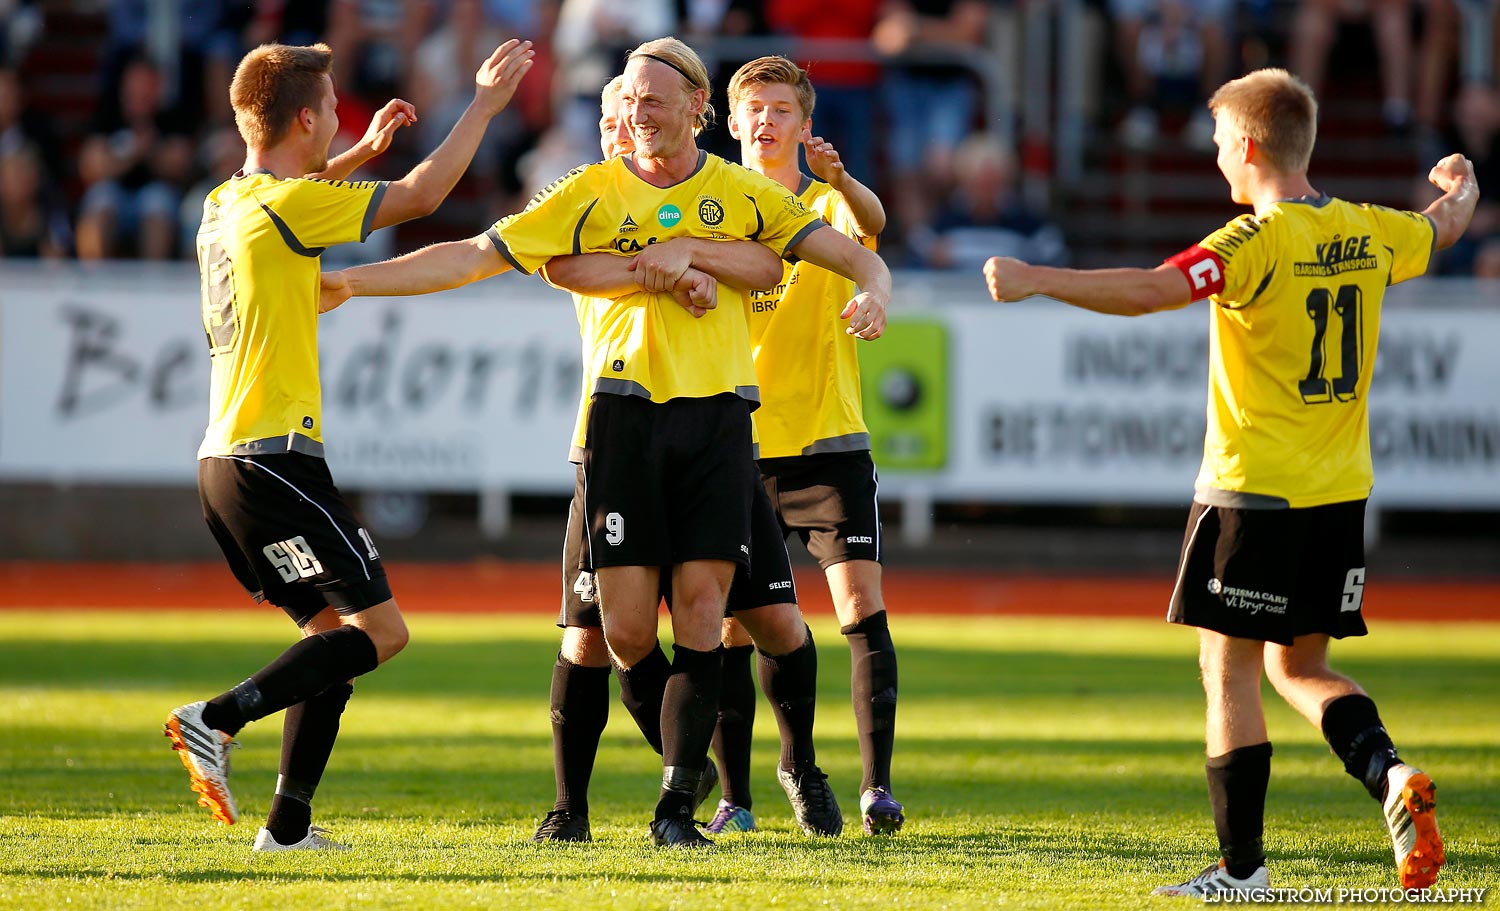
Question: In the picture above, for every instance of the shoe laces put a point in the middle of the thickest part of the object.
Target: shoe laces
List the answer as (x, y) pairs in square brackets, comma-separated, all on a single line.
[(812, 785)]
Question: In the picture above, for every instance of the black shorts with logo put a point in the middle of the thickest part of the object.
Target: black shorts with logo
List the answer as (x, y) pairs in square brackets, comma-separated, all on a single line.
[(830, 501), (768, 581), (668, 483), (288, 535), (1273, 574)]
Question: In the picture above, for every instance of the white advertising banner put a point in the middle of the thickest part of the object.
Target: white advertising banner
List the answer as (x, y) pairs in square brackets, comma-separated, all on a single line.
[(104, 377), (1054, 404)]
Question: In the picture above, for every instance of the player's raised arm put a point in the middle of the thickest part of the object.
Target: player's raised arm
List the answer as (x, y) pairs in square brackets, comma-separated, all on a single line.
[(1451, 212), (382, 129), (435, 268), (833, 251), (864, 205), (422, 190), (1121, 292)]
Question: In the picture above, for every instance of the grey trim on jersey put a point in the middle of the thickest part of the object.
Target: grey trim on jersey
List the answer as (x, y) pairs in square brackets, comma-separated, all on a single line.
[(368, 224), (702, 160), (1317, 202), (1237, 499), (849, 442), (604, 385), (289, 237), (800, 236), (578, 229), (575, 454), (363, 563), (504, 251), (803, 183), (292, 442)]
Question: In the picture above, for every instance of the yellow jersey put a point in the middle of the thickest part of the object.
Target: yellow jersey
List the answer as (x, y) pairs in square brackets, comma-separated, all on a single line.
[(645, 343), (1297, 294), (258, 248), (805, 362)]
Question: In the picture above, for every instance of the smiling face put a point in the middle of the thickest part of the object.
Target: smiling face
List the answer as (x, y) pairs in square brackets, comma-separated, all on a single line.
[(768, 121), (614, 131), (656, 102)]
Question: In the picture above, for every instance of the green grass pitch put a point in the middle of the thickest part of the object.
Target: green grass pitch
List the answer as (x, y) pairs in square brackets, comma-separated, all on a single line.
[(1044, 763)]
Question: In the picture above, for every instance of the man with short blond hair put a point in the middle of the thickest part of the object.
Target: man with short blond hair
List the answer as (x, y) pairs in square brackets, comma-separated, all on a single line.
[(1273, 561)]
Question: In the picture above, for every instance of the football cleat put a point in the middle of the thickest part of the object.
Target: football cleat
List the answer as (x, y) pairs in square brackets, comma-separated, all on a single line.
[(1410, 816), (315, 840), (813, 803), (881, 812), (561, 825), (205, 754), (1215, 880), (730, 818), (678, 832)]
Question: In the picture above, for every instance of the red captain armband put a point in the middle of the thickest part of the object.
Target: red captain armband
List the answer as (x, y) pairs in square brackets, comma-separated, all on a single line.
[(1202, 268)]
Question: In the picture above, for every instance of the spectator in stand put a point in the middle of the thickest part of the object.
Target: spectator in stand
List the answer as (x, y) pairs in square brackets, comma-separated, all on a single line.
[(285, 22), (21, 126), (1475, 133), (985, 213), (848, 90), (376, 41), (929, 107), (1315, 27), (134, 164), (196, 46), (442, 79), (1174, 54), (31, 223), (1487, 259), (20, 26)]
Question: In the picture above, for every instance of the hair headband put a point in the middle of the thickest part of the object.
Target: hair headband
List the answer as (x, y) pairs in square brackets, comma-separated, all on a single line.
[(674, 66)]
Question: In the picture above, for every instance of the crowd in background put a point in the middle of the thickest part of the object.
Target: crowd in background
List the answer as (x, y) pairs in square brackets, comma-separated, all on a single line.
[(123, 175)]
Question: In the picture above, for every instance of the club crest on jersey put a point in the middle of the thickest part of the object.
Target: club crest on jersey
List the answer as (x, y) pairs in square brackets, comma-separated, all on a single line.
[(710, 211), (668, 216), (628, 225)]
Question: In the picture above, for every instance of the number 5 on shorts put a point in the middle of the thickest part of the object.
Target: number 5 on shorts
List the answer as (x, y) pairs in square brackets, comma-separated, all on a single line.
[(1354, 591)]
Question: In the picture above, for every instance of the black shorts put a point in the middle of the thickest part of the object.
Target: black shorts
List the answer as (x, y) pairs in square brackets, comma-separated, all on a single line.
[(288, 535), (768, 581), (830, 501), (1273, 574), (668, 483)]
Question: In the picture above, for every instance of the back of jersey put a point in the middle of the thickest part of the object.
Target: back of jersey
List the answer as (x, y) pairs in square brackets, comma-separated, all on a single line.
[(1296, 320)]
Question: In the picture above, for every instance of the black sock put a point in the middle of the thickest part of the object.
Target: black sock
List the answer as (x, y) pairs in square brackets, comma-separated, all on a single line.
[(873, 688), (580, 709), (641, 689), (1352, 727), (736, 723), (1237, 791), (308, 731), (306, 669), (689, 708), (790, 682)]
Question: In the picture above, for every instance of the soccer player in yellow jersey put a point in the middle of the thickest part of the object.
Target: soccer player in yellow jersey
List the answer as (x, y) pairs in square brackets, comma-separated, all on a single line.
[(1273, 562), (267, 494), (667, 463), (813, 445), (765, 596)]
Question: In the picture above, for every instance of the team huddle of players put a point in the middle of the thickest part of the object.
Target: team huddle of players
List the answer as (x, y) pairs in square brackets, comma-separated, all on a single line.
[(709, 430)]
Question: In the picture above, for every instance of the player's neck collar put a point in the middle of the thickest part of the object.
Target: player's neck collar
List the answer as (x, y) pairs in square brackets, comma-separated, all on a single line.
[(803, 184), (252, 171), (1316, 200), (634, 169)]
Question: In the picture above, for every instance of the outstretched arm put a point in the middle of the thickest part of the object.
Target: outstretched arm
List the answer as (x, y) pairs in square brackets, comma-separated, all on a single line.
[(1122, 292), (423, 190), (833, 251), (383, 126), (1451, 212), (864, 205), (435, 268), (741, 264)]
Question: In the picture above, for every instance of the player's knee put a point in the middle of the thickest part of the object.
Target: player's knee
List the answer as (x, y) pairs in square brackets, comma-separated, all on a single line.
[(584, 646), (390, 637), (630, 644), (778, 628)]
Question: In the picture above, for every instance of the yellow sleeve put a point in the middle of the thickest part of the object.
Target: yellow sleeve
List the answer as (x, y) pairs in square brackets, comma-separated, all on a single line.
[(1246, 254), (785, 220), (549, 225), (843, 222), (1410, 236), (313, 214)]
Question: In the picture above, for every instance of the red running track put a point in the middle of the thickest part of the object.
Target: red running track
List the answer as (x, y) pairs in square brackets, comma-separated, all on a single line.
[(495, 586)]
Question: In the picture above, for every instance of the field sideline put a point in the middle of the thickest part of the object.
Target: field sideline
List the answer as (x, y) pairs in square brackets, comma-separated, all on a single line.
[(1045, 762)]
